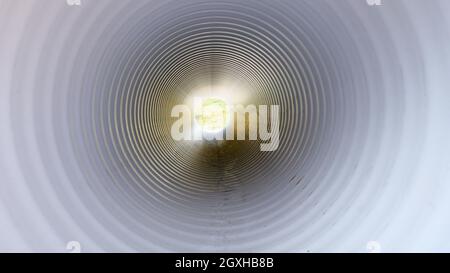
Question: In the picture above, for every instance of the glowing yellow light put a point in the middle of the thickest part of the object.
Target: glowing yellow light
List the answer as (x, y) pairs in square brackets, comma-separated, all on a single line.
[(213, 115)]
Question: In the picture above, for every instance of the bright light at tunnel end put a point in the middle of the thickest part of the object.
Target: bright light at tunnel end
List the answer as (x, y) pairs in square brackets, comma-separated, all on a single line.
[(211, 114), (211, 118)]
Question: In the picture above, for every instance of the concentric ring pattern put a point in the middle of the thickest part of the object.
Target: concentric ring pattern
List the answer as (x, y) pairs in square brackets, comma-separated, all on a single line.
[(87, 153)]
